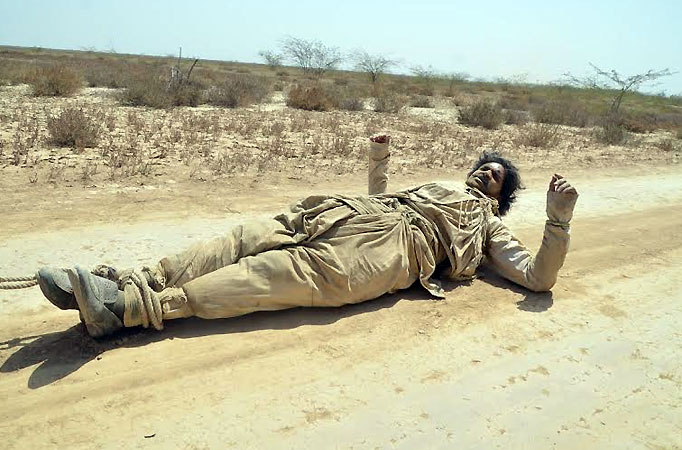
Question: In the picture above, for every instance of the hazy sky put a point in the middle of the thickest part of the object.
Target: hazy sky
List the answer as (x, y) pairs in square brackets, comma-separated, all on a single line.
[(540, 40)]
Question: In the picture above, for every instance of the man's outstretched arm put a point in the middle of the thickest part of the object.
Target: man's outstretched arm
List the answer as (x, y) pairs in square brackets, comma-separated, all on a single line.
[(515, 262)]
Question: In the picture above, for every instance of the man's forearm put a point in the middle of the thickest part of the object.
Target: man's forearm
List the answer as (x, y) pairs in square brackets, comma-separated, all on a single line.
[(379, 155)]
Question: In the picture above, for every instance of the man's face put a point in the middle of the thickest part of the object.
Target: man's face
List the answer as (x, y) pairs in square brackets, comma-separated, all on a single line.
[(488, 179)]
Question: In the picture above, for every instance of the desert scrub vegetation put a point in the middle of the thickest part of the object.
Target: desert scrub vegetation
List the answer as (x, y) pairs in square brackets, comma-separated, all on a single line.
[(73, 127), (421, 101), (611, 131), (54, 80), (310, 96), (238, 90), (482, 113), (386, 101), (151, 90), (540, 135), (561, 112)]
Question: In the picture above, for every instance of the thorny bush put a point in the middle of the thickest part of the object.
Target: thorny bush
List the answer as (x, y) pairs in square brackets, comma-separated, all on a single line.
[(73, 128), (55, 80)]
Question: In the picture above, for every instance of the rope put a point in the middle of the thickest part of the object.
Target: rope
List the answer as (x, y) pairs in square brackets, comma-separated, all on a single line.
[(18, 282), (147, 304)]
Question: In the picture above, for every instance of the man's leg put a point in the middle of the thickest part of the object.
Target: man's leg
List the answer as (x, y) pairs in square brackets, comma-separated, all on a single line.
[(364, 258)]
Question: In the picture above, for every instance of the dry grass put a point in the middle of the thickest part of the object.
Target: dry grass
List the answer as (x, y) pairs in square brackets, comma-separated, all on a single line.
[(310, 96), (206, 144), (55, 80), (421, 101), (561, 113), (389, 102), (482, 114), (611, 131), (539, 135), (238, 90), (73, 127)]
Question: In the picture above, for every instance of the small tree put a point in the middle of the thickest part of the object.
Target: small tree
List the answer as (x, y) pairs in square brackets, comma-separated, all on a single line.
[(372, 65), (311, 56), (610, 79), (612, 129), (272, 59), (426, 76)]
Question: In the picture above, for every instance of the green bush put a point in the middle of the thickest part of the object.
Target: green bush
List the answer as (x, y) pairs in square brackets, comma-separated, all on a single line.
[(73, 128), (482, 114), (56, 80)]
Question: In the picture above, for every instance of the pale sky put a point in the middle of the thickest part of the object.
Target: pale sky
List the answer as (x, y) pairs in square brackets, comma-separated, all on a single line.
[(535, 40)]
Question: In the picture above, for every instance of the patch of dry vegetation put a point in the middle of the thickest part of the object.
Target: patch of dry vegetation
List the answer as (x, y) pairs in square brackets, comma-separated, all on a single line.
[(310, 96), (238, 90), (226, 141), (73, 127), (482, 113), (54, 80)]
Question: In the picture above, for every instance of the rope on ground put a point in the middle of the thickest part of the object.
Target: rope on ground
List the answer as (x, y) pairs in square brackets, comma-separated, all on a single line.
[(18, 282)]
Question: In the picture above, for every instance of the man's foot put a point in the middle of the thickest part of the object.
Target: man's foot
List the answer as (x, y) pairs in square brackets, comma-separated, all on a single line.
[(56, 287), (98, 300)]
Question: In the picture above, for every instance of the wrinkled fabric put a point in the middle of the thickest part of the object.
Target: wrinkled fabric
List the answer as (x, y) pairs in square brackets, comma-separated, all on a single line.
[(334, 250)]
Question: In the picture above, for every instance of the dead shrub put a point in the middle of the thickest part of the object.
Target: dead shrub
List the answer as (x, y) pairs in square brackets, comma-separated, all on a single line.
[(310, 96), (73, 128), (562, 113), (611, 131), (186, 94), (648, 122), (389, 102), (667, 145), (153, 91), (515, 101), (514, 117), (347, 99), (238, 90), (540, 135), (421, 101), (55, 80), (146, 90), (482, 114)]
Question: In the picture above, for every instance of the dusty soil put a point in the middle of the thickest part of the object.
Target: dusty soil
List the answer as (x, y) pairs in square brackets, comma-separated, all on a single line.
[(596, 363)]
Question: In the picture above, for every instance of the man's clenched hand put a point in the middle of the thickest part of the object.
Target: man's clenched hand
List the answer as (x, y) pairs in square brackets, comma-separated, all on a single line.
[(561, 198)]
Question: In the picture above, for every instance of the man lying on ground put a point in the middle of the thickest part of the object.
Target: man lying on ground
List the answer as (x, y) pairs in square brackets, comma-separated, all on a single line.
[(331, 250)]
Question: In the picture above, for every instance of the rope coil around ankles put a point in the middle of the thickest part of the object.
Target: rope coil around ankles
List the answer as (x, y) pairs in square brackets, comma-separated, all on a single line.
[(140, 300)]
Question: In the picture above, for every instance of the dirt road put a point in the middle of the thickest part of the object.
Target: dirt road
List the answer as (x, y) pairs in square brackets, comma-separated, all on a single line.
[(597, 363)]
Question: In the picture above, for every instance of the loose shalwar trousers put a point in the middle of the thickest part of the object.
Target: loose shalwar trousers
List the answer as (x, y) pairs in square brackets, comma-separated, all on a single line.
[(322, 253)]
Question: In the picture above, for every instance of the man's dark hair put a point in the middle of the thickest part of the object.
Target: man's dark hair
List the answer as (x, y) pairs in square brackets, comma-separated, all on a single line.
[(512, 179)]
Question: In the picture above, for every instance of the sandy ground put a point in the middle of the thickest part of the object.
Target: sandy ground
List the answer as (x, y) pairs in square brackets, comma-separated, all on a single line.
[(596, 363)]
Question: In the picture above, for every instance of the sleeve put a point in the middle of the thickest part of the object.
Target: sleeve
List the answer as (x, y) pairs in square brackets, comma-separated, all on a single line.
[(379, 156), (516, 263)]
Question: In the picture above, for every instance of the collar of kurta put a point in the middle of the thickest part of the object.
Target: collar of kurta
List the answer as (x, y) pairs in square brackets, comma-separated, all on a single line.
[(494, 204)]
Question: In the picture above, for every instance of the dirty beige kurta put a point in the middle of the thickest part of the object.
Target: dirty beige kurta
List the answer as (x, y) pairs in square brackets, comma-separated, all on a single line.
[(334, 250)]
